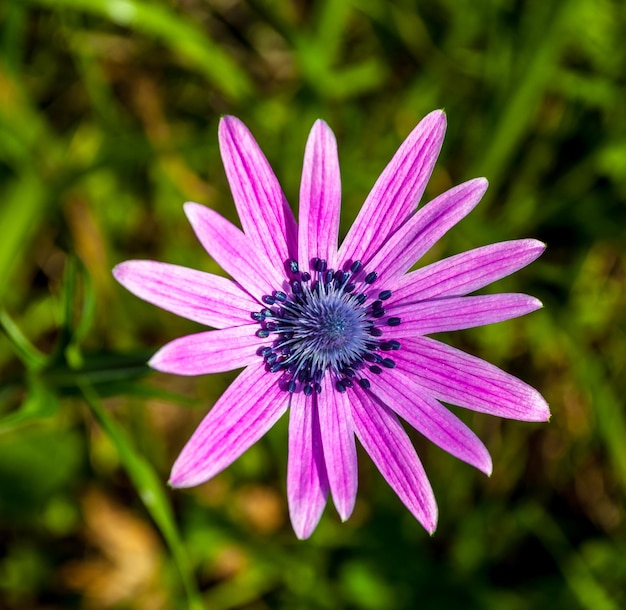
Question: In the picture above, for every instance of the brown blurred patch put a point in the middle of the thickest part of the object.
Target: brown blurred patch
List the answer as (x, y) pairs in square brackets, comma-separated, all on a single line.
[(125, 564), (262, 507)]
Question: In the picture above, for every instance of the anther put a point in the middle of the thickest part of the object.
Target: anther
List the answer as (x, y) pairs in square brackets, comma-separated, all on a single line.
[(262, 333), (340, 386), (293, 266), (376, 332), (384, 295), (378, 313), (370, 278), (355, 266), (364, 383), (296, 287), (394, 321), (361, 298), (259, 316), (388, 363), (279, 295), (376, 369), (305, 276), (268, 300)]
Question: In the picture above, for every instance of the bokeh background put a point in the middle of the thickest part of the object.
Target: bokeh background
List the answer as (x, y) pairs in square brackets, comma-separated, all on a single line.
[(108, 123)]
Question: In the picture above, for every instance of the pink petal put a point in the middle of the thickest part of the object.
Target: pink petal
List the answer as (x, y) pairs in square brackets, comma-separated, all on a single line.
[(339, 446), (214, 351), (466, 272), (263, 210), (456, 313), (233, 252), (397, 191), (409, 243), (307, 484), (384, 439), (202, 297), (429, 417), (460, 379), (320, 198), (251, 405)]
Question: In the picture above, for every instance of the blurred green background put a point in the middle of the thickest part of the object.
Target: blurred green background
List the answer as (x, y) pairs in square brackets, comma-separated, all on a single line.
[(108, 123)]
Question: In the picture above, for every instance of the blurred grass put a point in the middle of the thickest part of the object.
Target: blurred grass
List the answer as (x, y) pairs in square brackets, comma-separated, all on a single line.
[(108, 115)]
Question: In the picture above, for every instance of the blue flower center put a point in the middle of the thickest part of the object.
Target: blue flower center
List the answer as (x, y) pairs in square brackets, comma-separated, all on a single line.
[(327, 324)]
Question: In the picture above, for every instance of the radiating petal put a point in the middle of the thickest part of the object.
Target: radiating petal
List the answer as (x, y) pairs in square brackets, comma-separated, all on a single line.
[(429, 417), (460, 379), (214, 351), (195, 295), (339, 446), (456, 313), (233, 252), (463, 273), (397, 191), (263, 210), (250, 406), (384, 439), (320, 198), (409, 243), (307, 483)]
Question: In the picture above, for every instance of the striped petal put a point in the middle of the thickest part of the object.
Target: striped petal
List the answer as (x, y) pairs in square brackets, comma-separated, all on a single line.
[(233, 252), (214, 351), (339, 446), (430, 418), (460, 379), (195, 295), (407, 245), (466, 272), (320, 198), (307, 483), (263, 210), (250, 406), (456, 313), (386, 442), (397, 191)]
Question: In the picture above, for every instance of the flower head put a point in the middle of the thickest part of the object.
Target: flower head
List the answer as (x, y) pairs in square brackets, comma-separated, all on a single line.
[(337, 335)]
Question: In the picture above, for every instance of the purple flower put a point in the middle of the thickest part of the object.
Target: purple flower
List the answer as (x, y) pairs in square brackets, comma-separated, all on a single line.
[(338, 335)]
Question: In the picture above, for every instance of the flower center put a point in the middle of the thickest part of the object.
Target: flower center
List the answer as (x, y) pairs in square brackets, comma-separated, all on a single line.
[(326, 325)]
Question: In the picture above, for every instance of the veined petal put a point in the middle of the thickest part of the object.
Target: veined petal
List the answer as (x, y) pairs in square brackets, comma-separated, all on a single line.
[(430, 418), (464, 273), (456, 313), (460, 379), (339, 446), (263, 210), (386, 442), (214, 351), (320, 198), (409, 243), (397, 191), (250, 406), (233, 251), (195, 295), (307, 483)]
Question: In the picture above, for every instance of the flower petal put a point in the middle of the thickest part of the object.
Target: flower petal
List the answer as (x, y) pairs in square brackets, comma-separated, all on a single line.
[(430, 418), (263, 210), (251, 405), (407, 245), (463, 273), (460, 379), (397, 191), (456, 313), (339, 446), (320, 198), (214, 351), (233, 252), (307, 483), (195, 295), (386, 442)]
